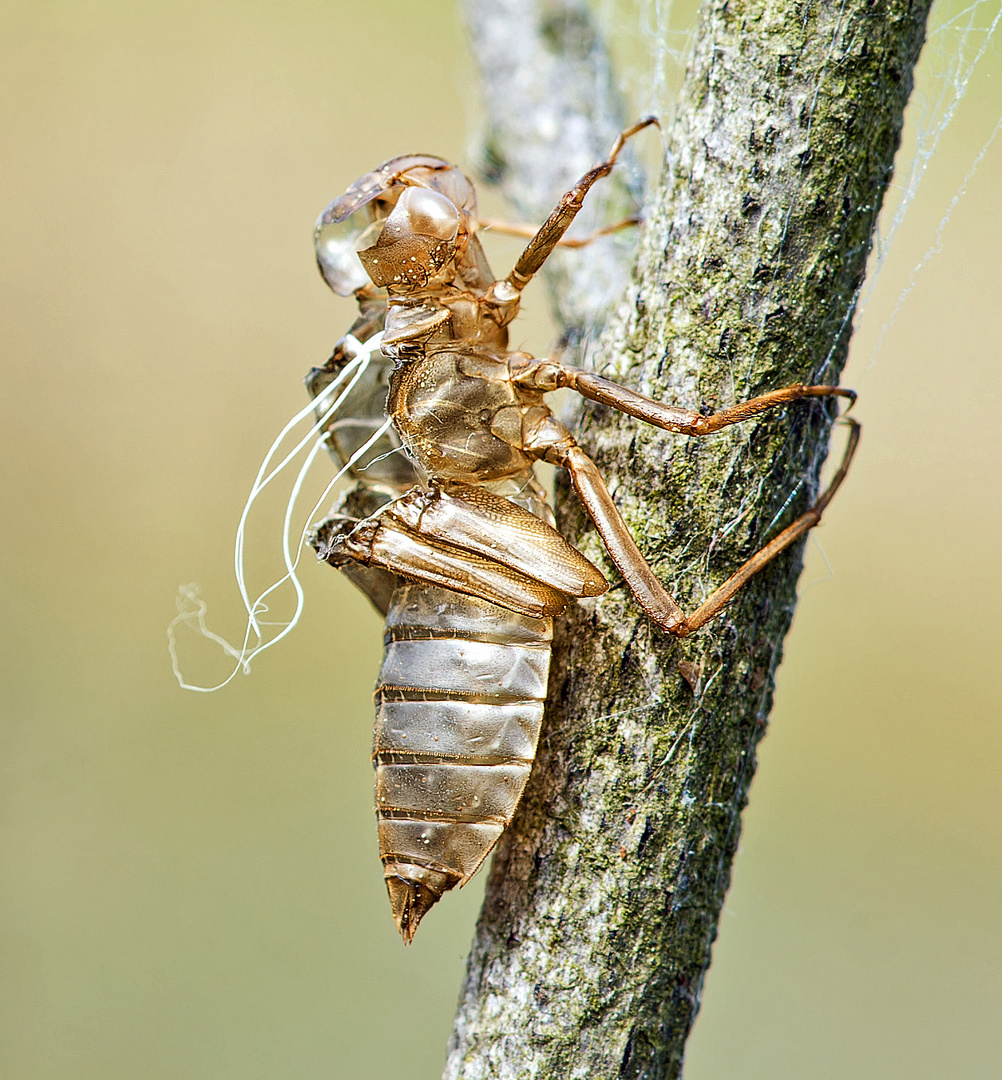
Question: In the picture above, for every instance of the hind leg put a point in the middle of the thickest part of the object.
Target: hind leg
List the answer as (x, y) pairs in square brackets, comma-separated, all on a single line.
[(637, 574)]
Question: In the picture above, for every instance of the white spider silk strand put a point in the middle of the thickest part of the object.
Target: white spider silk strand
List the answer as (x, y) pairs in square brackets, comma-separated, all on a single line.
[(192, 609)]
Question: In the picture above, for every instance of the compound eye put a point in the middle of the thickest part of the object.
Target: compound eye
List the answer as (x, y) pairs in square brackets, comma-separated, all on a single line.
[(336, 253)]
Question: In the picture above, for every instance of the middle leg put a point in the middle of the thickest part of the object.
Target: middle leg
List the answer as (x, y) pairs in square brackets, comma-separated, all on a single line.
[(527, 232), (549, 375)]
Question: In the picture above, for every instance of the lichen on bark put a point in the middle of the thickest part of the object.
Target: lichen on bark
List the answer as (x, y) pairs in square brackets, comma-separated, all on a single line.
[(604, 896)]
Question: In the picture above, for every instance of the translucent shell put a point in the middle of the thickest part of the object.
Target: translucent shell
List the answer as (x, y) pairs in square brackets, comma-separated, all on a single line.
[(412, 220), (456, 731), (411, 170), (337, 258)]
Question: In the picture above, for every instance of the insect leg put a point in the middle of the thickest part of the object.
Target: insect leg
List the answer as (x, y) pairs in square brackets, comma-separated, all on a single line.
[(550, 232), (639, 577), (549, 375), (721, 596), (511, 228)]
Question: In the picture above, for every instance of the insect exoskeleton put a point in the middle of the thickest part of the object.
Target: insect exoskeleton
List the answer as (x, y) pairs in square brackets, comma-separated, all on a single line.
[(445, 527)]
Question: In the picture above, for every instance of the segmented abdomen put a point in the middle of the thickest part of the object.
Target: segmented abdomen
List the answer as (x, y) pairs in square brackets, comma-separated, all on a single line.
[(459, 705)]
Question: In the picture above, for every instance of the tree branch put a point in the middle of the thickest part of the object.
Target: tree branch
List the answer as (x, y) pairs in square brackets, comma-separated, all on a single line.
[(551, 113), (605, 893)]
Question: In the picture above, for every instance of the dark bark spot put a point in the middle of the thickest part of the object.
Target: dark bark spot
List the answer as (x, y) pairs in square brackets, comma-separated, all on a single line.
[(572, 337), (750, 205), (627, 1054), (568, 33), (690, 672), (493, 165)]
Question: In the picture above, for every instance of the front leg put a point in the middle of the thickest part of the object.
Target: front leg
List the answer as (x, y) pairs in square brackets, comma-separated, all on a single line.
[(503, 295)]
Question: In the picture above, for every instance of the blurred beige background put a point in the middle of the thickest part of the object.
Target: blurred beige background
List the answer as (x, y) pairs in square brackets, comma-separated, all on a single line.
[(189, 885)]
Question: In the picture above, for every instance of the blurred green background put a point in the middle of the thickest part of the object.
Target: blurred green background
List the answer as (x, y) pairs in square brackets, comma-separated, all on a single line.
[(190, 886)]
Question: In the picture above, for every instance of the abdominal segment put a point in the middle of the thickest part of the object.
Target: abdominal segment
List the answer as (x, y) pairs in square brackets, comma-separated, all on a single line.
[(459, 704)]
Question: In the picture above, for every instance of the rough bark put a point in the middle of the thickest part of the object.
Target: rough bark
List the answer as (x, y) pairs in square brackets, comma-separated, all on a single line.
[(604, 897)]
